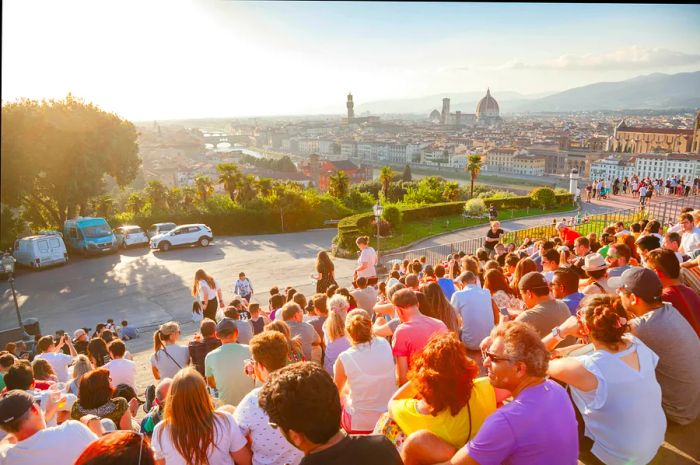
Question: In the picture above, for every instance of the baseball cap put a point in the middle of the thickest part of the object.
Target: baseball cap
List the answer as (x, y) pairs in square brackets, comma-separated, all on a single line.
[(533, 280), (561, 225), (641, 282), (14, 404), (79, 332), (226, 326)]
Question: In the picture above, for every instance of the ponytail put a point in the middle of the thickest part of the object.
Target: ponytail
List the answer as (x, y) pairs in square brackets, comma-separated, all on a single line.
[(157, 342)]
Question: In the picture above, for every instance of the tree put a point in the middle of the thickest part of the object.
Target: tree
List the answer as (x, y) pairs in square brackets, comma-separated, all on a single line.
[(246, 192), (285, 197), (264, 186), (473, 168), (338, 184), (451, 192), (407, 176), (174, 198), (189, 197), (103, 205), (157, 194), (204, 187), (386, 175), (135, 202), (56, 153), (230, 176)]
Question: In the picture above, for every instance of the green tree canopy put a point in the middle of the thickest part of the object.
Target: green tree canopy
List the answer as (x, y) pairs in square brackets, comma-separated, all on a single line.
[(338, 184), (56, 153)]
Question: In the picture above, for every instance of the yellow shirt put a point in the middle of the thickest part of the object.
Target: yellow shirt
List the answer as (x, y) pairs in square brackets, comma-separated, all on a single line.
[(453, 429)]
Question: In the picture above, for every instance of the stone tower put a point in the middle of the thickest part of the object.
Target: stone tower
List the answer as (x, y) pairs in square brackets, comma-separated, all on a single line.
[(445, 115), (351, 108), (695, 148)]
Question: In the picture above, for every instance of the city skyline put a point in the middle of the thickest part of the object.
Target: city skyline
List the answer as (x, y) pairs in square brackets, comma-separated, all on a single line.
[(206, 58)]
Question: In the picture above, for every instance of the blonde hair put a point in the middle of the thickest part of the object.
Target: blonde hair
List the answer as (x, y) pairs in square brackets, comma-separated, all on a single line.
[(334, 326), (340, 304), (82, 365), (199, 276), (359, 326)]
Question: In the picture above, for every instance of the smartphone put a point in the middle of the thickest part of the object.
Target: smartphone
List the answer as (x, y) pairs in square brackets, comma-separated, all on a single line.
[(503, 311)]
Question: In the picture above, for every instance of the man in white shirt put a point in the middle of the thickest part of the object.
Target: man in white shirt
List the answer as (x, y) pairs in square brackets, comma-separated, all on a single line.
[(36, 443), (365, 296), (690, 240), (51, 352), (121, 371), (475, 306), (269, 351)]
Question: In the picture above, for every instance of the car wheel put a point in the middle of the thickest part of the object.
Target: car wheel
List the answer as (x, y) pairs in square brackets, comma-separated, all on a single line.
[(164, 246), (203, 241)]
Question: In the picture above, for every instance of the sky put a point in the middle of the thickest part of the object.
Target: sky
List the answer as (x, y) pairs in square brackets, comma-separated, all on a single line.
[(171, 59)]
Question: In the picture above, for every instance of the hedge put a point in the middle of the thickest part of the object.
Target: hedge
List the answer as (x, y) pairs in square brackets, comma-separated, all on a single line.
[(351, 227)]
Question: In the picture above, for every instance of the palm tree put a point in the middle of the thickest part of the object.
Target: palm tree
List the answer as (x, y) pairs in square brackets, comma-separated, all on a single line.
[(103, 205), (386, 175), (264, 186), (473, 168), (204, 187), (230, 176), (189, 196), (174, 197), (156, 193), (338, 184), (246, 189), (451, 192)]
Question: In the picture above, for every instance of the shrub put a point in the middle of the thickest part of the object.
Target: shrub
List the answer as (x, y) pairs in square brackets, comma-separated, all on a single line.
[(543, 197), (475, 207), (392, 214)]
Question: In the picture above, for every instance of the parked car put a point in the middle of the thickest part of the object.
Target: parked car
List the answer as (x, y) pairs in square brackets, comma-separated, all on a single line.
[(128, 236), (160, 228), (40, 251), (89, 236), (186, 234)]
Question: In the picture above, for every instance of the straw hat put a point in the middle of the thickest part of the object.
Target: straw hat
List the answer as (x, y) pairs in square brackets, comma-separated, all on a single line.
[(594, 262)]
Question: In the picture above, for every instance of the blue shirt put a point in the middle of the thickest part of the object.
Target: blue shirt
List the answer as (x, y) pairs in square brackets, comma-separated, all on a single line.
[(448, 287), (573, 301), (617, 271), (474, 304)]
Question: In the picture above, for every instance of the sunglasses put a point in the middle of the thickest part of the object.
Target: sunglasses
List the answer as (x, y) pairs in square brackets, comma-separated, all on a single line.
[(495, 358)]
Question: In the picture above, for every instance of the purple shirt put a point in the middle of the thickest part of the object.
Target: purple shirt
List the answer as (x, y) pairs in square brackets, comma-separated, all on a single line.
[(332, 351), (538, 427)]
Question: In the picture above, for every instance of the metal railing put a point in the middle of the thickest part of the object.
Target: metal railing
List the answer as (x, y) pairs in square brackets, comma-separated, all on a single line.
[(665, 212)]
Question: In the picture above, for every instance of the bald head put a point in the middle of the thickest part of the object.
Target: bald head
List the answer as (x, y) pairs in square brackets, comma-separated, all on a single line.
[(163, 388)]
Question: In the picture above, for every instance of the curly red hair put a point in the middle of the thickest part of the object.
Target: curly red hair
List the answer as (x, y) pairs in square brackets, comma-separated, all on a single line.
[(443, 374)]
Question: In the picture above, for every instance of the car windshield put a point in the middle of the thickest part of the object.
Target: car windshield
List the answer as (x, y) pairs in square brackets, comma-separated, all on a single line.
[(100, 230)]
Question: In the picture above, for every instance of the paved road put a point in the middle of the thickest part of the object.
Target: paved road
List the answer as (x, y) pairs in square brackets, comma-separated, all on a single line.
[(147, 288)]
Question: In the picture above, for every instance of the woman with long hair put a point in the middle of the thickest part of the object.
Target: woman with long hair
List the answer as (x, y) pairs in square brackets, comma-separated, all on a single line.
[(97, 352), (43, 371), (81, 366), (367, 371), (95, 398), (524, 266), (351, 300), (472, 264), (168, 356), (334, 337), (610, 382), (501, 293), (208, 292), (443, 394), (439, 307), (192, 431), (295, 350), (326, 272)]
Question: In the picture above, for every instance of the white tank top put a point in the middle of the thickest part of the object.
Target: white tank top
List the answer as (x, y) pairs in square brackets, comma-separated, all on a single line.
[(371, 380)]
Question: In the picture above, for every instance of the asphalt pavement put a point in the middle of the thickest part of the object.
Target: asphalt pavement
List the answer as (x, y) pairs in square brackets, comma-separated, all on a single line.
[(148, 288)]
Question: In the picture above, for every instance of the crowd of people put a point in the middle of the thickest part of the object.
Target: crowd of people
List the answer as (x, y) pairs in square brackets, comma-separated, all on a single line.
[(518, 354), (643, 189)]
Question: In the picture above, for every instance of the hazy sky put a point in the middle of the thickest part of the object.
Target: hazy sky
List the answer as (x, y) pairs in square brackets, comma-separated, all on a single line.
[(152, 59)]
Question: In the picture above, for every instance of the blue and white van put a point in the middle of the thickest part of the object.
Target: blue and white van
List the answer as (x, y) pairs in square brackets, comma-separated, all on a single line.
[(89, 236)]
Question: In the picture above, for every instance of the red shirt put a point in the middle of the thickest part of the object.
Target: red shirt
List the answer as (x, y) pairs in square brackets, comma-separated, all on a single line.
[(569, 236), (686, 301)]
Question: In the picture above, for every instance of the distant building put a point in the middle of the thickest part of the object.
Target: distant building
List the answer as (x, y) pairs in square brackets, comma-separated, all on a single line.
[(629, 139), (652, 165), (324, 169), (511, 160), (350, 105), (487, 110)]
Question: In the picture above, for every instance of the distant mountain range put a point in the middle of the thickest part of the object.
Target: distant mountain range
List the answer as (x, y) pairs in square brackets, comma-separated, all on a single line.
[(656, 91)]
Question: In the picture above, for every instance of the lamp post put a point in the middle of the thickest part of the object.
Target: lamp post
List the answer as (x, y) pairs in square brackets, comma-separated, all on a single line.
[(378, 210), (8, 265)]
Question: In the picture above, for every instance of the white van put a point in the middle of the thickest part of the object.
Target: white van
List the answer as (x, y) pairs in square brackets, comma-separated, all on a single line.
[(41, 251)]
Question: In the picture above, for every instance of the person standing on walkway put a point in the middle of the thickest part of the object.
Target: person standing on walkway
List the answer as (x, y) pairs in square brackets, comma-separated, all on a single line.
[(367, 261), (326, 272), (208, 292), (243, 287)]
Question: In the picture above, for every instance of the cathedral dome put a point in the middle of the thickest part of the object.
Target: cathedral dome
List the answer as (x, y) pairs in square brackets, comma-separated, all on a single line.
[(435, 115), (487, 107)]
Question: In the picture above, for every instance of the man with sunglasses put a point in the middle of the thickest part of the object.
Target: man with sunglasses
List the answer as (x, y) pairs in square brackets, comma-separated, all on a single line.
[(22, 417), (664, 330), (618, 259), (303, 403), (537, 427)]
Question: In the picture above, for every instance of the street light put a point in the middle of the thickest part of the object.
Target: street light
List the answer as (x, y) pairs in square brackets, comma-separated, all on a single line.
[(378, 210), (8, 265)]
